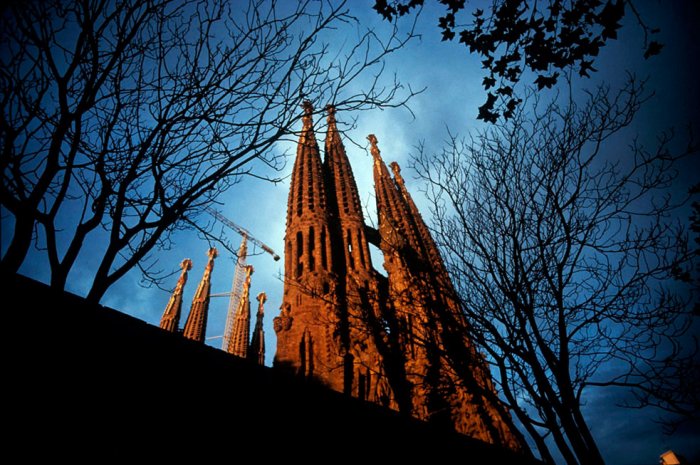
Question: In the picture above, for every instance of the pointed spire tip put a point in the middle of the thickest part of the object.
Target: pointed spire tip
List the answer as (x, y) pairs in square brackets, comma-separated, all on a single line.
[(308, 107), (330, 110), (374, 150), (397, 173), (308, 112)]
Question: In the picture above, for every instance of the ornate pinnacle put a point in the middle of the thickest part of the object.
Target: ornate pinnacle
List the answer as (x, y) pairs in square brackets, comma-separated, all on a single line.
[(308, 113), (196, 324), (171, 316), (212, 254), (256, 350), (374, 150), (330, 109), (262, 298), (186, 266), (397, 172), (243, 249)]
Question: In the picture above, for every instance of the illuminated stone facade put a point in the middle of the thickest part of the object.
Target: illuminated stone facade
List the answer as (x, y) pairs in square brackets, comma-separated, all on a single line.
[(399, 340), (196, 324), (171, 316)]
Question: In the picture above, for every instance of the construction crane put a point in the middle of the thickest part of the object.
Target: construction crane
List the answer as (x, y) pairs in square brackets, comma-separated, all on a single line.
[(242, 231), (239, 273)]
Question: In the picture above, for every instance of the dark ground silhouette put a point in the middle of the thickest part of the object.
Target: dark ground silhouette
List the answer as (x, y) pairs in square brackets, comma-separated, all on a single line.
[(85, 381)]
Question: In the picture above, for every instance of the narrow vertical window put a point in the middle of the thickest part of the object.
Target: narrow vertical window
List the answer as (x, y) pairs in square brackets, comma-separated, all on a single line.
[(310, 190), (300, 253), (312, 250), (360, 248), (324, 259), (300, 187), (351, 260), (288, 260), (361, 388)]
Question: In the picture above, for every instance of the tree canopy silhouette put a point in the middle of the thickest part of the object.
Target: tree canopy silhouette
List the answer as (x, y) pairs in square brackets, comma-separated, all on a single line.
[(516, 36)]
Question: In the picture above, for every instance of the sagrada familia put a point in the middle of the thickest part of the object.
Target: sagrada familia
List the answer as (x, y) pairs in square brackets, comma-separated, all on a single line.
[(397, 340)]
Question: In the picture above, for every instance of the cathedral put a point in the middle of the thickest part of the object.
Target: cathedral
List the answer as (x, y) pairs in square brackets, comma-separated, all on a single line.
[(396, 340)]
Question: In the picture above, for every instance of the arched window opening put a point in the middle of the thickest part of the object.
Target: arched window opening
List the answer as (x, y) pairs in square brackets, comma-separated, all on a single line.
[(312, 249), (300, 253), (351, 260), (324, 259), (361, 249)]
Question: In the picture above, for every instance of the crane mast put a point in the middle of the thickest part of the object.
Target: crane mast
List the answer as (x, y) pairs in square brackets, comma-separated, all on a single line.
[(239, 274), (236, 291)]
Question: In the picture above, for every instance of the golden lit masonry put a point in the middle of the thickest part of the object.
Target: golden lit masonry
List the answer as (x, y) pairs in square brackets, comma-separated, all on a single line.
[(396, 341), (171, 316), (196, 325)]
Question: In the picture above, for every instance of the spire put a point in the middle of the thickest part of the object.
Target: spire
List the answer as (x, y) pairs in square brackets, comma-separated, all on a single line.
[(309, 314), (196, 325), (344, 200), (392, 213), (256, 352), (307, 244), (238, 344), (341, 182), (439, 276), (307, 192), (428, 245), (171, 316)]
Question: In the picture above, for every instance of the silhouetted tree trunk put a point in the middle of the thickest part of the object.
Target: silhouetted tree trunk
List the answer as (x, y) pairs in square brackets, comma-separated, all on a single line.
[(121, 119), (561, 250)]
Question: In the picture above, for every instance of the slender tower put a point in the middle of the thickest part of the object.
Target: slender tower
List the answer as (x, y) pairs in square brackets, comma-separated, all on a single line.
[(439, 277), (256, 352), (406, 291), (171, 316), (422, 292), (357, 286), (196, 325), (238, 343), (475, 410), (308, 342)]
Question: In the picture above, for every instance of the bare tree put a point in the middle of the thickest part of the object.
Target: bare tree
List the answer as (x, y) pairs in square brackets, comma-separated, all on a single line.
[(122, 118), (561, 251)]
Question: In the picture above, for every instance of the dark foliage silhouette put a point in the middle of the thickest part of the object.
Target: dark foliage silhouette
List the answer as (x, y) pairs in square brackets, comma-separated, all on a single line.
[(515, 36)]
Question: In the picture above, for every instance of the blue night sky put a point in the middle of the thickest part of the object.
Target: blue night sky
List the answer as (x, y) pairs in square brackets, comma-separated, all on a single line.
[(452, 79)]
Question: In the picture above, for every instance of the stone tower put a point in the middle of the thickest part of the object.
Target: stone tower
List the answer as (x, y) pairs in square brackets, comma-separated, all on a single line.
[(196, 325), (256, 351), (398, 341), (309, 340), (433, 330), (171, 316), (240, 334), (357, 289)]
